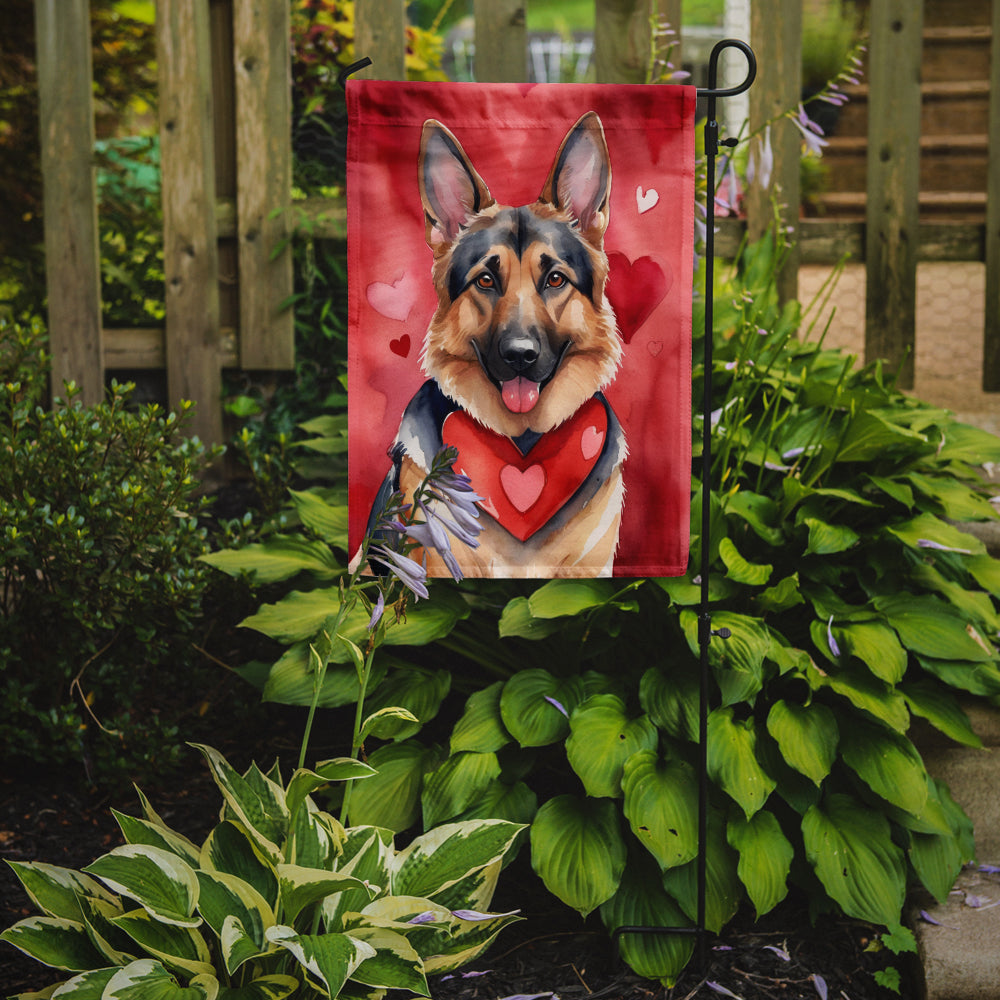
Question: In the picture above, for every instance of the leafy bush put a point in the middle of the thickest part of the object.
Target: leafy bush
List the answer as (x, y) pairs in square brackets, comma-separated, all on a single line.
[(99, 540), (855, 604), (279, 899)]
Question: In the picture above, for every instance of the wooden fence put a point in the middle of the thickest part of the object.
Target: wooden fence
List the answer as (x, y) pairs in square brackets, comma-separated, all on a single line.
[(226, 161)]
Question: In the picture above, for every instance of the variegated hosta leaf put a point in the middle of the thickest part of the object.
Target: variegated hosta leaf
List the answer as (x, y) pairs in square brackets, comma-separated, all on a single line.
[(304, 782), (578, 851), (391, 799), (723, 889), (147, 979), (481, 727), (888, 763), (256, 801), (158, 880), (441, 857), (535, 706), (476, 890), (329, 959), (141, 831), (765, 858), (86, 986), (807, 736), (395, 964), (456, 784), (661, 805), (732, 760), (466, 941), (850, 847), (54, 941), (602, 737), (642, 902), (177, 947), (225, 897), (300, 887), (56, 891), (315, 838), (274, 987), (98, 915), (367, 853), (230, 849)]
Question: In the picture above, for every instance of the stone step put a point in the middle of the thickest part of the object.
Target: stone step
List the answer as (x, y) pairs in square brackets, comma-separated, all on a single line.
[(953, 206), (956, 53)]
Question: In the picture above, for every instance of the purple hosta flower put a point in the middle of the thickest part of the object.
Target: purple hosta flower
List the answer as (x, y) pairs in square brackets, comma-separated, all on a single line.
[(465, 975), (431, 535), (780, 952), (990, 869), (812, 134), (834, 648), (927, 543), (927, 918), (727, 199), (427, 917), (475, 915), (558, 705), (719, 988), (761, 163), (410, 573), (820, 983), (377, 612)]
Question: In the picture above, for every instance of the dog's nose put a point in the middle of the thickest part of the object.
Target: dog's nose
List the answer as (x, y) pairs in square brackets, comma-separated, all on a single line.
[(519, 351)]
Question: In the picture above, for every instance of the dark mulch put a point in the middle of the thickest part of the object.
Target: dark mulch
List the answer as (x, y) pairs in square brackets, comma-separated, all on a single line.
[(551, 951)]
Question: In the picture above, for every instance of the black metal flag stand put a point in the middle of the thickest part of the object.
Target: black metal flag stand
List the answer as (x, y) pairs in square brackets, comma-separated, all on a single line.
[(705, 631)]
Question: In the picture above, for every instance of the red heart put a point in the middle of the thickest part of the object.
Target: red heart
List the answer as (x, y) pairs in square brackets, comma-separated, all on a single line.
[(524, 491), (635, 289), (400, 346)]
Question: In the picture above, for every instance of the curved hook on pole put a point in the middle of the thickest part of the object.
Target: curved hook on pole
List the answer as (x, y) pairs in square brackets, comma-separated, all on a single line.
[(354, 67), (713, 90)]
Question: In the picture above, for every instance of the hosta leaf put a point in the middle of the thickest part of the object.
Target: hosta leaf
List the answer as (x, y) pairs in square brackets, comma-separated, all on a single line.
[(957, 501), (739, 569), (301, 887), (530, 706), (481, 728), (327, 520), (827, 539), (279, 558), (965, 443), (986, 571), (931, 628), (415, 689), (98, 916), (866, 692), (578, 851), (466, 941), (147, 979), (390, 723), (765, 858), (54, 941), (758, 511), (366, 855), (807, 736), (304, 782), (330, 959), (783, 595), (976, 678), (230, 849), (86, 986), (723, 889), (870, 435), (395, 964), (391, 798), (941, 709), (225, 897), (976, 605), (732, 760), (562, 598), (141, 831), (641, 901), (671, 700), (850, 848), (937, 860), (516, 803), (456, 784), (517, 620), (441, 857), (180, 948), (661, 799), (56, 891), (888, 763), (159, 881), (738, 661), (928, 528), (292, 681), (602, 738), (876, 646), (274, 987)]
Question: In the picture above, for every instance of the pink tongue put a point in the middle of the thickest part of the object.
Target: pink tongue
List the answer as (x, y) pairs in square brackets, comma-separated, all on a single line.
[(519, 394)]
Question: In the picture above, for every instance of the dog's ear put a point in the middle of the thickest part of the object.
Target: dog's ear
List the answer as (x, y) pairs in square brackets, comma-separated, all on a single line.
[(450, 189), (580, 179)]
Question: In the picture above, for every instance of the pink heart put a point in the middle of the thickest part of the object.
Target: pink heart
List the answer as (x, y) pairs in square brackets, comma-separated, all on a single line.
[(394, 301), (400, 346), (635, 289), (654, 347), (591, 441), (522, 488)]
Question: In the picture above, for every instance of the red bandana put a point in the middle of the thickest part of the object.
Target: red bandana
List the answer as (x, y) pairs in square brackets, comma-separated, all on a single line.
[(522, 492)]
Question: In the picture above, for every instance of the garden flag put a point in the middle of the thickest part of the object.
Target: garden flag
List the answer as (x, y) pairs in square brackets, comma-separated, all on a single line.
[(520, 264)]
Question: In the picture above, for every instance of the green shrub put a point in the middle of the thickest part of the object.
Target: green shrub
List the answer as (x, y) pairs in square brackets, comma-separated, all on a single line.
[(279, 900), (855, 605), (99, 542)]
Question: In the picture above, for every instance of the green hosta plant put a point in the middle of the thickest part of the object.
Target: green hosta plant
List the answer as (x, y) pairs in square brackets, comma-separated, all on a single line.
[(279, 900)]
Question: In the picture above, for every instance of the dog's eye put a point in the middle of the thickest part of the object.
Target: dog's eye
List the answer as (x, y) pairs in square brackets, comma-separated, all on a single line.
[(556, 280), (486, 281)]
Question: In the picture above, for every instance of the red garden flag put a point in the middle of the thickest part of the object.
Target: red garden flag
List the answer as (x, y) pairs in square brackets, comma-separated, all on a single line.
[(519, 263)]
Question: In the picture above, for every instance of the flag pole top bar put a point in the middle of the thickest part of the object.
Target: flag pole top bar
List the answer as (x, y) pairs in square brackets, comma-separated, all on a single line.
[(712, 91)]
